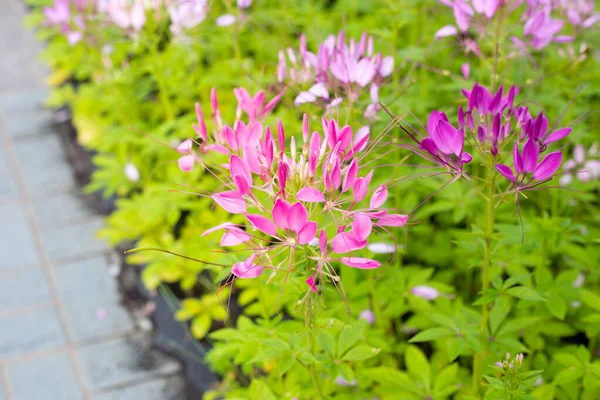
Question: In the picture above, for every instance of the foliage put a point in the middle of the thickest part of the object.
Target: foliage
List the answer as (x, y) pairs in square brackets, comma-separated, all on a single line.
[(463, 286)]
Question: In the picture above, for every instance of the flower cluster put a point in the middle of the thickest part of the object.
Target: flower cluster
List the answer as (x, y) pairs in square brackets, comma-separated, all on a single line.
[(227, 139), (186, 14), (581, 166), (540, 28), (338, 71), (69, 17), (498, 127), (73, 16), (301, 201)]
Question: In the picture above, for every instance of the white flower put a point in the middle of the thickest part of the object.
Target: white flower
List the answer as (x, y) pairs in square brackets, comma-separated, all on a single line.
[(131, 172)]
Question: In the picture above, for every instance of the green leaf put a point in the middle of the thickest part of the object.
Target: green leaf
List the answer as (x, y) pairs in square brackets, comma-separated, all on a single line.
[(286, 362), (391, 376), (557, 306), (454, 347), (275, 343), (349, 336), (445, 381), (500, 310), (201, 325), (442, 320), (346, 371), (568, 360), (360, 352), (430, 334), (525, 293), (418, 366), (590, 299), (513, 280), (307, 358), (326, 341), (568, 375)]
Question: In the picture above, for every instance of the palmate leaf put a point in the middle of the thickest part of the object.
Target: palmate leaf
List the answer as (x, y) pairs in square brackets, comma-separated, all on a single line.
[(431, 334), (525, 293), (360, 352)]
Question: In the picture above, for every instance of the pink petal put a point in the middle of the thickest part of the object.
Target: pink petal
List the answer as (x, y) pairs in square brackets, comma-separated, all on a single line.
[(466, 70), (323, 241), (218, 228), (425, 292), (280, 213), (234, 236), (350, 176), (219, 148), (310, 195), (247, 269), (448, 30), (361, 185), (185, 147), (379, 197), (232, 201), (186, 163), (263, 224), (394, 220), (548, 166), (506, 172), (307, 233), (345, 242), (360, 263), (361, 227), (311, 283), (297, 217)]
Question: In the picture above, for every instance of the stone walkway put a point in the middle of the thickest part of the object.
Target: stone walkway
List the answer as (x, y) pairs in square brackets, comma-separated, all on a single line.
[(63, 332)]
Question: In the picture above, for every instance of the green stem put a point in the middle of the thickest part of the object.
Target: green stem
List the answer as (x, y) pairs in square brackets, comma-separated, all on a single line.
[(312, 369), (479, 360)]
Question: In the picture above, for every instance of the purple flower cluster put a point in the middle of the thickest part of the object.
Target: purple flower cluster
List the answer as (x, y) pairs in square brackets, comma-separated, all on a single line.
[(338, 71), (494, 122), (542, 20)]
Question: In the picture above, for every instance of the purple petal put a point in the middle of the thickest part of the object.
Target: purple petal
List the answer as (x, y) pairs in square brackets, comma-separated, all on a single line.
[(530, 155), (548, 166), (506, 172), (557, 135)]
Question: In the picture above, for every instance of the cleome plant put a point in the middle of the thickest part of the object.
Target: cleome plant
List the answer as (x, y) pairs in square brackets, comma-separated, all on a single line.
[(351, 199)]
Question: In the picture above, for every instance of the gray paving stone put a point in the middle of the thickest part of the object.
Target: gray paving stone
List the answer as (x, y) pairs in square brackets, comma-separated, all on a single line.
[(43, 153), (19, 124), (16, 242), (59, 210), (47, 378), (91, 300), (169, 388), (23, 288), (8, 186), (30, 331), (120, 361), (23, 100), (74, 240)]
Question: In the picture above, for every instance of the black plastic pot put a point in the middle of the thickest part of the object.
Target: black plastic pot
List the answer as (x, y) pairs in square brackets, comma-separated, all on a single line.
[(174, 338), (80, 160)]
